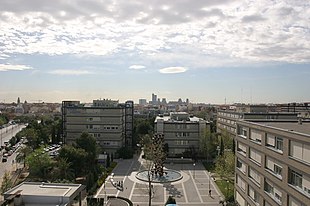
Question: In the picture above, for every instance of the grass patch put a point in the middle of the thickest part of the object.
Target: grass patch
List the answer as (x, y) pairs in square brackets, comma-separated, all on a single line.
[(227, 188)]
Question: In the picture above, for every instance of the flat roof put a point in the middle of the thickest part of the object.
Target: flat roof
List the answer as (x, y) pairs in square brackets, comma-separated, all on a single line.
[(168, 119), (44, 189), (303, 128)]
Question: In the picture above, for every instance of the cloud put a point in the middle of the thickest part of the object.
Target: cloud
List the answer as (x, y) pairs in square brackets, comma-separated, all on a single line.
[(172, 70), (234, 29), (253, 18), (137, 67), (12, 67), (64, 72)]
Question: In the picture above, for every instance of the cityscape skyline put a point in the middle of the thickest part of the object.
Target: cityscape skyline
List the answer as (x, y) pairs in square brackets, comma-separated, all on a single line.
[(206, 51)]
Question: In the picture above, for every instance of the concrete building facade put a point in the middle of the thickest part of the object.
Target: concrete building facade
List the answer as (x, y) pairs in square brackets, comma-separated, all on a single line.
[(181, 131), (226, 119), (272, 163), (109, 122)]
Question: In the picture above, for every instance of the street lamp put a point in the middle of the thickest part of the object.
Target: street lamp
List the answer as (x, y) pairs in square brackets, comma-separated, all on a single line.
[(209, 180), (181, 163), (227, 189), (194, 169)]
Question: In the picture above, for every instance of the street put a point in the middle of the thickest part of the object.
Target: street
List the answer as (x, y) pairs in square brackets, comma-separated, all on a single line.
[(6, 134)]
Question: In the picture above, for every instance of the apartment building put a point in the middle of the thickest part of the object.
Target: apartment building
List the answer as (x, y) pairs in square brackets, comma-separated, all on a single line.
[(181, 131), (272, 163), (226, 119), (110, 122)]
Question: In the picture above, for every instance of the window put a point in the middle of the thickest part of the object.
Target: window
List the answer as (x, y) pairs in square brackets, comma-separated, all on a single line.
[(241, 148), (241, 166), (295, 178), (274, 142), (240, 182), (274, 167), (278, 170), (240, 199), (279, 143), (300, 151), (253, 174), (268, 188), (242, 131), (253, 194), (256, 136), (255, 156), (273, 191)]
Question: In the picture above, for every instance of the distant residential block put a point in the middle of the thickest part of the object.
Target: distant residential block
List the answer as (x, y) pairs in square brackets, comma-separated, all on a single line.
[(181, 131), (110, 122)]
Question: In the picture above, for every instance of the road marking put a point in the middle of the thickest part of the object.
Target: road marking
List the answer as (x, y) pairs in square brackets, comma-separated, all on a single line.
[(133, 188), (126, 176), (185, 196), (196, 187)]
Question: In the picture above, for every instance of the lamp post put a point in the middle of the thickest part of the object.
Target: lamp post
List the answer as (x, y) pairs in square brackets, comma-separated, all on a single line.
[(194, 169), (181, 163), (227, 189), (209, 180)]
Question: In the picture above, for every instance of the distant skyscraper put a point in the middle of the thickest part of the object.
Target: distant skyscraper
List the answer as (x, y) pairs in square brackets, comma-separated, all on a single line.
[(164, 101), (142, 101), (154, 98)]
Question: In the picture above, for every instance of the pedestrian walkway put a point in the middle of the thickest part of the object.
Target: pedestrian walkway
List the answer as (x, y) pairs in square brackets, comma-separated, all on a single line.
[(191, 190)]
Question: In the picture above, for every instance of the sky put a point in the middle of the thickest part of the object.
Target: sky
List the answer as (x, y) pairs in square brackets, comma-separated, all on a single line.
[(251, 51)]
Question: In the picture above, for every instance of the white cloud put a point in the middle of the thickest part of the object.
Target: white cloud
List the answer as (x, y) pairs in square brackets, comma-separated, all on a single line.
[(173, 70), (246, 30), (64, 72), (12, 67), (137, 67)]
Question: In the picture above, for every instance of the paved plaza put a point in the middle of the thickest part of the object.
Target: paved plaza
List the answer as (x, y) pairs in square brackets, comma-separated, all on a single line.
[(191, 190)]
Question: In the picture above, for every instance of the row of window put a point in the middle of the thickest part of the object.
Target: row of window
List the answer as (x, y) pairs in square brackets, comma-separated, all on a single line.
[(98, 127), (227, 127), (182, 126), (299, 181), (227, 121), (255, 197), (297, 150), (182, 134), (236, 116)]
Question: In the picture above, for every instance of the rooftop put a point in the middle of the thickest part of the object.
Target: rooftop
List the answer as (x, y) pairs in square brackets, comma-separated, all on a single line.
[(303, 128), (44, 189), (178, 117)]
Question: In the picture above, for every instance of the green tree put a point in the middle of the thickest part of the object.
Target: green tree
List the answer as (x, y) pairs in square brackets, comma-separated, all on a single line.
[(39, 164), (221, 147), (32, 138), (207, 145), (154, 155), (225, 165), (227, 139), (63, 169), (88, 143), (76, 156), (23, 152), (6, 182)]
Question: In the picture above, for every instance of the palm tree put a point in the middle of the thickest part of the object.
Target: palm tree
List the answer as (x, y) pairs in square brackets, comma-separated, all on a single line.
[(64, 169)]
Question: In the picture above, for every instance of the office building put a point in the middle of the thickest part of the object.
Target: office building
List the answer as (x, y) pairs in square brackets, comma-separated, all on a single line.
[(272, 163), (181, 131), (109, 122), (226, 119)]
